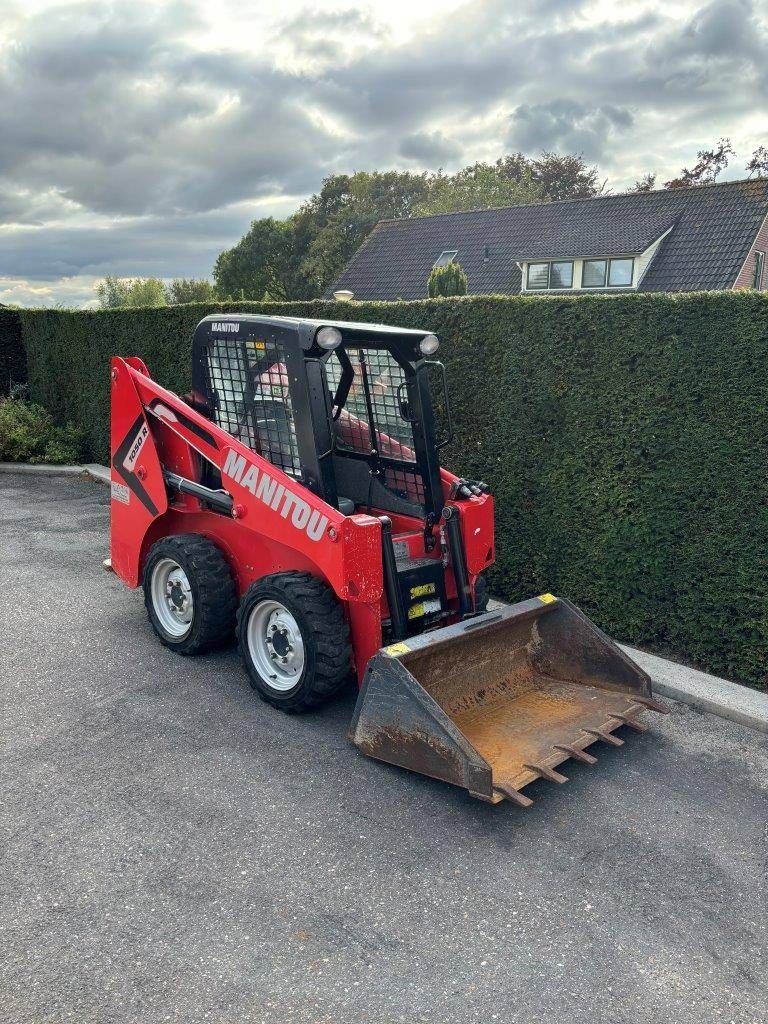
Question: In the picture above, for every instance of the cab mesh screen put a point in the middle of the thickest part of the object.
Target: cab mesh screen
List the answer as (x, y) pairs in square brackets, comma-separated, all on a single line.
[(381, 376), (251, 401), (376, 372)]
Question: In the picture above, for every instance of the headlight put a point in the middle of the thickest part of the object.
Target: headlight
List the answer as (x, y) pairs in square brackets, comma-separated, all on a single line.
[(429, 345), (328, 338)]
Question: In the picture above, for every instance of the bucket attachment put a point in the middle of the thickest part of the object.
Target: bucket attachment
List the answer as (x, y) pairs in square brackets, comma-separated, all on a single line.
[(497, 701)]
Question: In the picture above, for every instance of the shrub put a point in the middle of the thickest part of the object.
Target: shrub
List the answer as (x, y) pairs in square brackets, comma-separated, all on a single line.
[(28, 434), (446, 281)]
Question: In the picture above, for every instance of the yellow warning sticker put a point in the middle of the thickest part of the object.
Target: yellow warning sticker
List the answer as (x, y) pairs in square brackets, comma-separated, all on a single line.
[(260, 345), (547, 598), (423, 590), (394, 649), (417, 610)]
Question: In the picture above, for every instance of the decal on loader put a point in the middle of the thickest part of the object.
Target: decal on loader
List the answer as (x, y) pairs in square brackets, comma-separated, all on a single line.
[(275, 495)]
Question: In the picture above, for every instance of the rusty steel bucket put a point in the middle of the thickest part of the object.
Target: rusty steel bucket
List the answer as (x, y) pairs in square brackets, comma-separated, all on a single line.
[(500, 700)]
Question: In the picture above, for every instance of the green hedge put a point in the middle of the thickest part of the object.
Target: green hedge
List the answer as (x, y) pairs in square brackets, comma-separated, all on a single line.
[(625, 439), (13, 362)]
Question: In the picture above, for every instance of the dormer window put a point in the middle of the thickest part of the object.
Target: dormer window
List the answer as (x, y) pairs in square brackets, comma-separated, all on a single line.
[(548, 276), (607, 273), (575, 274), (561, 274), (620, 273), (593, 274), (446, 257)]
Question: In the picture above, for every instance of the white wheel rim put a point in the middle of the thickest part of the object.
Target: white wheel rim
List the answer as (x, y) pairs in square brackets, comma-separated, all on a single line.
[(275, 645), (172, 598)]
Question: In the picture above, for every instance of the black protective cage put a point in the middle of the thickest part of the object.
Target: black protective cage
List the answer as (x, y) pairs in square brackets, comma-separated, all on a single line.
[(354, 423)]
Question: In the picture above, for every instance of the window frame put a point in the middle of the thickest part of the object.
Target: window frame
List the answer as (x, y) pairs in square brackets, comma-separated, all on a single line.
[(440, 262), (548, 287), (536, 288), (621, 259), (758, 270), (561, 287), (608, 261), (597, 259)]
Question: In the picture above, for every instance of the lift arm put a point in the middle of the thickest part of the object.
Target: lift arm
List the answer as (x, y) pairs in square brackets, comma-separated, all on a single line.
[(156, 441)]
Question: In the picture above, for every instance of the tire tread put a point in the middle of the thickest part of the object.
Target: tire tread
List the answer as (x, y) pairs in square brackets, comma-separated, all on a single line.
[(330, 636), (215, 593)]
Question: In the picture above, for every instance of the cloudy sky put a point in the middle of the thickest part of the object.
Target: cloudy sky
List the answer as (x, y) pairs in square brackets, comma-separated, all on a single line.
[(142, 138)]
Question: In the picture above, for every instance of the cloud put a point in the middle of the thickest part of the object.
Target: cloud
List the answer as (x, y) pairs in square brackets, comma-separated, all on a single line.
[(568, 126), (721, 29), (161, 246), (324, 38), (102, 105), (429, 149), (140, 138), (75, 292)]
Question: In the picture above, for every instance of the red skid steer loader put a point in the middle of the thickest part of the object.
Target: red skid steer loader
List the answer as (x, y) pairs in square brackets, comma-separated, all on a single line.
[(295, 497)]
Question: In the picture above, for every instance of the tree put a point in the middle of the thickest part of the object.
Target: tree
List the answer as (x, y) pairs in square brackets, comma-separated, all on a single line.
[(478, 187), (708, 166), (513, 180), (645, 184), (298, 257), (758, 163), (183, 289), (447, 280), (263, 265), (112, 291), (565, 176), (125, 291), (332, 225)]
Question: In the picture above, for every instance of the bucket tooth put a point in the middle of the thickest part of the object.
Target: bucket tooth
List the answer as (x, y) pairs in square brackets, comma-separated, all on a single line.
[(603, 734), (628, 719), (576, 753), (514, 795), (546, 772), (651, 703)]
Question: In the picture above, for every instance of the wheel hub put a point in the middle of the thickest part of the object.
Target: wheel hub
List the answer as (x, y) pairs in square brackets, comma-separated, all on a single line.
[(278, 642), (172, 598), (176, 596), (276, 645)]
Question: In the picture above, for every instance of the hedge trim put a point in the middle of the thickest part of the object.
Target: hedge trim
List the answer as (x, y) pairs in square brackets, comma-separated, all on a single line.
[(13, 362), (624, 438)]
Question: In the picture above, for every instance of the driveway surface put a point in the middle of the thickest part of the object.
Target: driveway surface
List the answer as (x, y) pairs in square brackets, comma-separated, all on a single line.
[(175, 850)]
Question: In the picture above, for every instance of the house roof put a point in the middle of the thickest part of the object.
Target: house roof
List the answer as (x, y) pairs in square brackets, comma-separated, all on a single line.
[(712, 229)]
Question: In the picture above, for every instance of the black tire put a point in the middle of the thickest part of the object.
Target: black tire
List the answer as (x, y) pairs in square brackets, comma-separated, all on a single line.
[(214, 597), (481, 594), (327, 654)]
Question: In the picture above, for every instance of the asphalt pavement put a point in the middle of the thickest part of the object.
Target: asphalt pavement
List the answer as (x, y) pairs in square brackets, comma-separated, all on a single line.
[(175, 850)]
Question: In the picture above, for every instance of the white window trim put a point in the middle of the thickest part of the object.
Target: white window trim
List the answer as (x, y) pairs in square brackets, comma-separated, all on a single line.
[(578, 270), (599, 259)]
